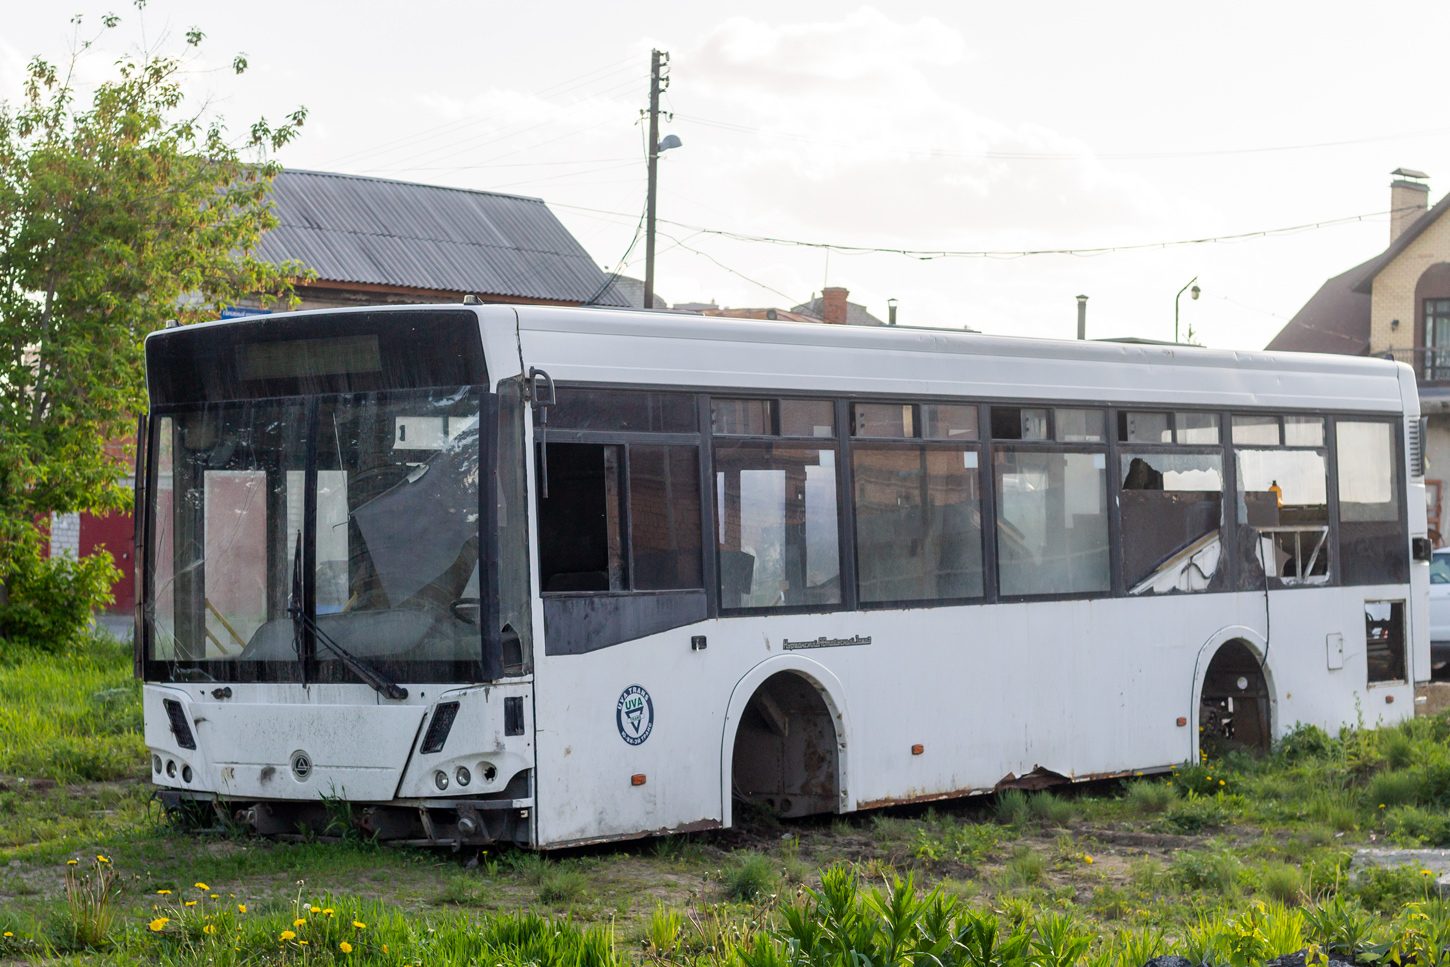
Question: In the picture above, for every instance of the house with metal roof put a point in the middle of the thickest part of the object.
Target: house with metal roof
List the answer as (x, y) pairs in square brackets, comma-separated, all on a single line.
[(1397, 305), (376, 241)]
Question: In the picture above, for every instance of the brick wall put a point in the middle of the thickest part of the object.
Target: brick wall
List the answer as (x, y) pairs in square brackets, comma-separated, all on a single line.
[(1394, 288), (65, 535)]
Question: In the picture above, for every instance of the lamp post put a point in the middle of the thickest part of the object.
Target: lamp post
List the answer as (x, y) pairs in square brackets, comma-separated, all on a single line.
[(1192, 294)]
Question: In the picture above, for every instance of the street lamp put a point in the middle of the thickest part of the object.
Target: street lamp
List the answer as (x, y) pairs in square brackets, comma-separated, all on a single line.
[(1193, 293)]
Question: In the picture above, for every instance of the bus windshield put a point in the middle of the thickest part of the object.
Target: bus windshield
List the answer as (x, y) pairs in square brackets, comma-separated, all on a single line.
[(376, 493)]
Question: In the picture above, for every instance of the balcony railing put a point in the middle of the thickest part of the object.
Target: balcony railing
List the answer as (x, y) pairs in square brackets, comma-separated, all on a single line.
[(1431, 363)]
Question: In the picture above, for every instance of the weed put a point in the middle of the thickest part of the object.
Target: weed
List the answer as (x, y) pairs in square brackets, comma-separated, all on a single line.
[(460, 890), (1197, 813), (1413, 826), (1012, 808), (90, 903), (1024, 868), (1340, 927), (562, 884), (1283, 882), (1139, 946), (750, 878), (1393, 787), (663, 931), (1111, 903), (1387, 890), (1197, 871), (1149, 797), (1051, 809)]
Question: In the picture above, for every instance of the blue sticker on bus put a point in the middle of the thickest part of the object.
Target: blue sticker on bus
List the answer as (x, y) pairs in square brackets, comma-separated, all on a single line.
[(634, 715)]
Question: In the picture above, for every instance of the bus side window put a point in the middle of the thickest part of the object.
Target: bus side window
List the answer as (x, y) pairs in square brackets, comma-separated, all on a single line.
[(1372, 544), (620, 518), (581, 546)]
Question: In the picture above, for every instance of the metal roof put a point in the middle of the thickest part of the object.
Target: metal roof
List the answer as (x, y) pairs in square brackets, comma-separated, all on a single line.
[(349, 228)]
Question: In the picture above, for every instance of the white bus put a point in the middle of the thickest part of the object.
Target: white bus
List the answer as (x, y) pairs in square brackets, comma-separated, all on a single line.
[(553, 576)]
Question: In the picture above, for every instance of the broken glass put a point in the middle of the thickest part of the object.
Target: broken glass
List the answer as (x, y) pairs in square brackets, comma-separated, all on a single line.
[(1171, 512)]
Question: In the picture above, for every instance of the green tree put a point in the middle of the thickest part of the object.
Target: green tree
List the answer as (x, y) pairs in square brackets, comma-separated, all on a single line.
[(115, 217)]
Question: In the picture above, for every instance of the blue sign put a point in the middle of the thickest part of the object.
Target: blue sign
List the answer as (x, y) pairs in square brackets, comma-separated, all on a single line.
[(238, 312)]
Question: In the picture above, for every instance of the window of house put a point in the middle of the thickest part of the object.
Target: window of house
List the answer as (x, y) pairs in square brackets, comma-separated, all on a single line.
[(1437, 339), (1052, 516)]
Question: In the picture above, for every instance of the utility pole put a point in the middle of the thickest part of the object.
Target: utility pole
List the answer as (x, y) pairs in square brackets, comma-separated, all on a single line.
[(658, 81)]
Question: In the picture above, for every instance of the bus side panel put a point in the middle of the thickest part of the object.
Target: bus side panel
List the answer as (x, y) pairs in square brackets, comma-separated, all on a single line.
[(629, 738)]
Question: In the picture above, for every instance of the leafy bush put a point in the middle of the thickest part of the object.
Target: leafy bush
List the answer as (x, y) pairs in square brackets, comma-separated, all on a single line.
[(1305, 742), (1205, 779), (51, 600)]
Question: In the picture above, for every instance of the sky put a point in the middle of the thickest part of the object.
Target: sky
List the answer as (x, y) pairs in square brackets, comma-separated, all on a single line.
[(961, 127)]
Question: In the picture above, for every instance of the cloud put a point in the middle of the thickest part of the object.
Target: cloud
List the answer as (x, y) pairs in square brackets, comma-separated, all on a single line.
[(873, 126)]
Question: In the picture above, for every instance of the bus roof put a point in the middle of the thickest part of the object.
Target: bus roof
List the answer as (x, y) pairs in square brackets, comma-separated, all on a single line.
[(663, 349)]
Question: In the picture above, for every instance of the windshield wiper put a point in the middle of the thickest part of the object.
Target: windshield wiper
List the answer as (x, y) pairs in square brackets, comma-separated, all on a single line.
[(300, 619)]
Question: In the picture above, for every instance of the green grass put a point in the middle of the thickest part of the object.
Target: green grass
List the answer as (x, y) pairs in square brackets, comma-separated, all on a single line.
[(70, 717), (1242, 831)]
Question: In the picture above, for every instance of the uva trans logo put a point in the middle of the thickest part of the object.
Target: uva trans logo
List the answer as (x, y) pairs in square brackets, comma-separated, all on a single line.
[(634, 715)]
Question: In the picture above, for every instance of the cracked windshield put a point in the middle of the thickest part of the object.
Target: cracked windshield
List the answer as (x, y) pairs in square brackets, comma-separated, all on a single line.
[(395, 568)]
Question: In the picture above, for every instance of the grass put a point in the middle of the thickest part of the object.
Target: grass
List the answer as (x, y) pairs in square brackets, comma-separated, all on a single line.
[(1242, 854), (71, 717)]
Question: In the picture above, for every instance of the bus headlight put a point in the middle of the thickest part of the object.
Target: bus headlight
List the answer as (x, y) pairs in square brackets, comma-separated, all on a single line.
[(156, 764), (440, 779), (463, 776)]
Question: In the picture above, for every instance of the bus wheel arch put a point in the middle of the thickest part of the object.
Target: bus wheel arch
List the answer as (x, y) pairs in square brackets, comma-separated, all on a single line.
[(1235, 700), (783, 678)]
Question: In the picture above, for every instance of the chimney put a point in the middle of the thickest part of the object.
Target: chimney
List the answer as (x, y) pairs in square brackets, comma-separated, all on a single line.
[(833, 305), (1082, 317), (1409, 199)]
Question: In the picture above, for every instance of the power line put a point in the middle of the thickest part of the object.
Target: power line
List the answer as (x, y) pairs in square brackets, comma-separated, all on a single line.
[(1060, 156), (679, 244), (929, 254)]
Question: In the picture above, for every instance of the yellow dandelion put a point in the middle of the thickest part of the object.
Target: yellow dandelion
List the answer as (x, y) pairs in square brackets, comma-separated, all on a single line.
[(1220, 782), (345, 947), (201, 886), (163, 892), (288, 935), (298, 922), (9, 934), (328, 911), (209, 928), (359, 924), (102, 859), (385, 948), (1087, 859), (159, 924), (241, 908), (302, 943), (191, 903), (71, 862), (216, 896)]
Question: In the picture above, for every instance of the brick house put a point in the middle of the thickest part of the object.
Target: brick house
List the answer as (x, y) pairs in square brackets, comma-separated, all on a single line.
[(374, 241), (1397, 305)]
